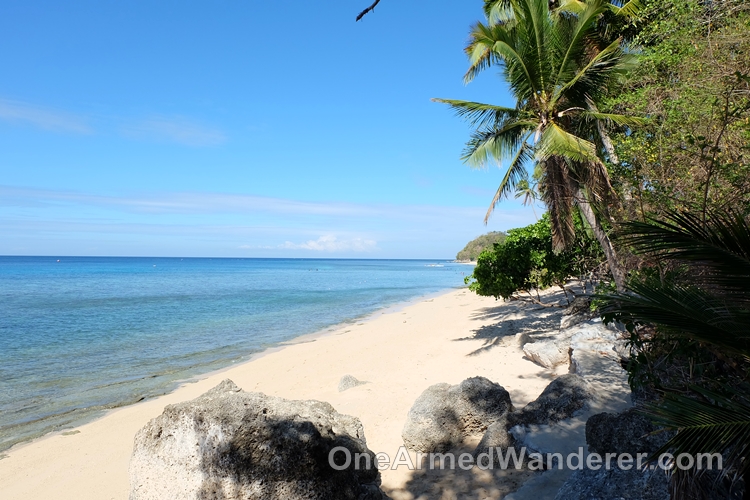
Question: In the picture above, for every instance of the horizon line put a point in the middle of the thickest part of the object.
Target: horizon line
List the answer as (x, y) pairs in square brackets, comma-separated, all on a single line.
[(208, 257)]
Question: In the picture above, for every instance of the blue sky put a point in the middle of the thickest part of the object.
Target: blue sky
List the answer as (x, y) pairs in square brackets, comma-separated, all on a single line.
[(240, 128)]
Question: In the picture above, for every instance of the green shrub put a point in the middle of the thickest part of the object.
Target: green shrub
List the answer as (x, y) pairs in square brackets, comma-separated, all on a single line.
[(526, 261)]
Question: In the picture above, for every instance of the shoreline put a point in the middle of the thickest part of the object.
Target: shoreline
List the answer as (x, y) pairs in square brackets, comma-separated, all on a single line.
[(399, 350), (277, 347), (178, 384)]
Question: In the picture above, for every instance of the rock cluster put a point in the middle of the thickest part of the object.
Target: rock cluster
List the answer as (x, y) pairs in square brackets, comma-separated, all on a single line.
[(626, 432), (556, 420), (615, 484), (228, 444), (560, 400), (444, 415), (578, 330)]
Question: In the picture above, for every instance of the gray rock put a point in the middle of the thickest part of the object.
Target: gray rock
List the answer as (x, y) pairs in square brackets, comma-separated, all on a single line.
[(347, 382), (626, 432), (562, 398), (523, 338), (548, 353), (593, 330), (622, 350), (444, 415), (577, 312), (542, 486), (590, 344), (618, 433), (228, 444), (615, 484), (589, 334), (497, 438)]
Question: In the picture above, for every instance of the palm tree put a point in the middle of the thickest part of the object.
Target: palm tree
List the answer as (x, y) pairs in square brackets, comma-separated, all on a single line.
[(528, 191), (558, 70), (708, 304)]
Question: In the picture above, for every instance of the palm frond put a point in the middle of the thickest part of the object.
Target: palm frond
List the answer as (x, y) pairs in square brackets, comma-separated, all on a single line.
[(497, 44), (501, 44), (718, 424), (573, 43), (534, 24), (684, 311), (630, 9), (722, 245), (496, 143), (576, 7), (516, 171), (591, 78), (480, 49), (478, 114), (498, 11), (518, 74), (555, 141), (616, 119)]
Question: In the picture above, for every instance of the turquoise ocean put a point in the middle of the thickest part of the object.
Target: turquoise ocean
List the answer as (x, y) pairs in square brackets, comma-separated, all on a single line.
[(80, 335)]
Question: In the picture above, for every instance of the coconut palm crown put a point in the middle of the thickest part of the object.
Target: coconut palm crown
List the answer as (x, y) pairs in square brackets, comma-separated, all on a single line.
[(558, 69)]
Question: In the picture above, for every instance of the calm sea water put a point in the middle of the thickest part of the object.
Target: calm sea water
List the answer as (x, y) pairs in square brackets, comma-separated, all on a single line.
[(85, 334)]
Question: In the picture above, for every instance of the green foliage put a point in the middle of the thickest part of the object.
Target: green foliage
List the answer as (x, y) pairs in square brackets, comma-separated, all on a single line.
[(688, 328), (709, 301), (527, 261), (476, 246), (693, 82), (688, 305)]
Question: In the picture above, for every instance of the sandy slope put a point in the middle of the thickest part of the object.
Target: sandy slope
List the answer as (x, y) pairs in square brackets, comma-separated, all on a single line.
[(399, 352)]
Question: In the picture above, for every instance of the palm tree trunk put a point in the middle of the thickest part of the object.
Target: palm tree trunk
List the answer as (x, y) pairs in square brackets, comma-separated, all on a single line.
[(614, 265), (608, 146)]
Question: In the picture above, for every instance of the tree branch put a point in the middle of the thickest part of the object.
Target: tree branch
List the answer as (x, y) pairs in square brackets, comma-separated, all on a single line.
[(531, 299), (367, 10)]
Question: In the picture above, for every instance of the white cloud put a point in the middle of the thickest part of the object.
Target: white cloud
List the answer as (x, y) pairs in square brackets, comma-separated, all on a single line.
[(219, 224), (212, 203), (175, 129), (329, 243), (56, 121)]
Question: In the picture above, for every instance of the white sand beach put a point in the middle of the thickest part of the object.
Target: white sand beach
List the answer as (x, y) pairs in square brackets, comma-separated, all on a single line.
[(398, 352)]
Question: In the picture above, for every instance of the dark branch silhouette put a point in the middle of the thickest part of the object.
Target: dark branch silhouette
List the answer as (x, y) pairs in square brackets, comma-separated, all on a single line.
[(367, 10)]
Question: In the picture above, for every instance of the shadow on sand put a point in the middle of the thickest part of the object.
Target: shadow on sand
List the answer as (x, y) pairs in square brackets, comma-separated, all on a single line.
[(513, 317), (456, 483)]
